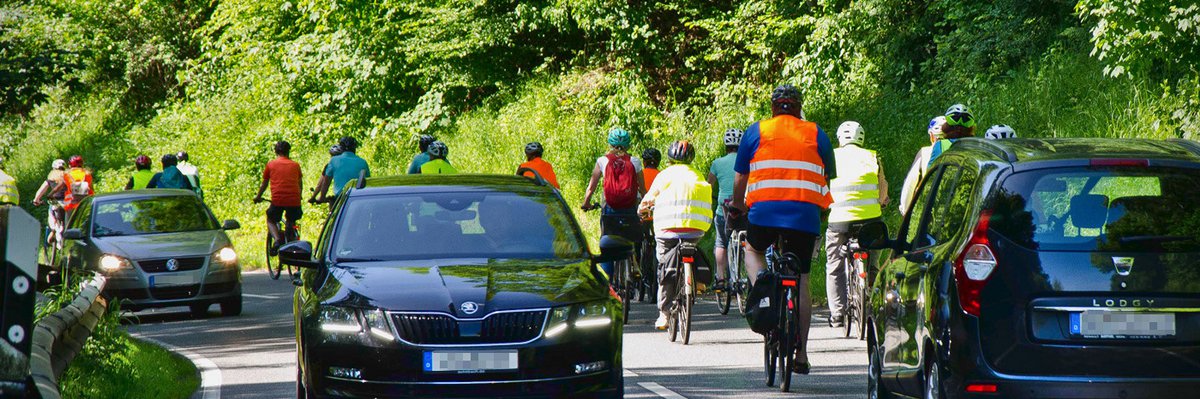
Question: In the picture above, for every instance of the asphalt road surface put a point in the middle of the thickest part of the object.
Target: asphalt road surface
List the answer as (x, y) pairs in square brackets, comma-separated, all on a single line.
[(256, 356)]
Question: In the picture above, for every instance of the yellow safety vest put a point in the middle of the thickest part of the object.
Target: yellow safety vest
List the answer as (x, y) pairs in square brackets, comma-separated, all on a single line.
[(8, 189), (141, 178), (684, 200), (856, 188)]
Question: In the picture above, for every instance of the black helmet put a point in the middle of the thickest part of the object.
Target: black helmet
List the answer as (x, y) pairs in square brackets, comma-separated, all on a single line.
[(534, 149), (335, 150), (283, 147), (786, 97), (182, 155), (425, 141), (438, 150), (348, 144), (650, 157), (170, 160), (682, 151)]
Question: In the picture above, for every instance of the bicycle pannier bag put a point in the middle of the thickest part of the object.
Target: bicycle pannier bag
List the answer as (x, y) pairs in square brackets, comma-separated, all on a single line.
[(762, 307)]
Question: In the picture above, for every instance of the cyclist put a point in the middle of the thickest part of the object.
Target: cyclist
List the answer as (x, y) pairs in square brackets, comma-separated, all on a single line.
[(423, 143), (533, 160), (859, 193), (170, 177), (720, 174), (8, 190), (55, 183), (623, 181), (324, 181), (78, 185), (437, 164), (959, 123), (190, 172), (783, 167), (343, 167), (920, 164), (141, 174), (650, 159), (287, 183), (681, 201), (997, 132)]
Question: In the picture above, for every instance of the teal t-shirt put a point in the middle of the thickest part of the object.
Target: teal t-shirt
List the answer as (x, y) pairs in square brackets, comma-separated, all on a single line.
[(344, 168), (414, 167), (722, 168)]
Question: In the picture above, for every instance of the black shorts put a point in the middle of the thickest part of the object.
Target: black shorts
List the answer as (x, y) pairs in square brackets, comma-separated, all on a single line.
[(799, 243), (275, 213)]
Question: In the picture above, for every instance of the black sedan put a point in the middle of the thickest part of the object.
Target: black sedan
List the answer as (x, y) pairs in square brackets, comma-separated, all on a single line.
[(455, 286)]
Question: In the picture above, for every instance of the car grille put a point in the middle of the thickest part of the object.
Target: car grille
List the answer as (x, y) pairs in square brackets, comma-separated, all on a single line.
[(496, 328), (179, 292), (160, 265)]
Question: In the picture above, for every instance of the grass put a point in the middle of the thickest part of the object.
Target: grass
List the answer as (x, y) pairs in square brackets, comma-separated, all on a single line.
[(114, 365)]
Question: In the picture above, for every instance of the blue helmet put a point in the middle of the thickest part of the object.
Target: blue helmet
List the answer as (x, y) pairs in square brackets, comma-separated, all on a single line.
[(618, 137)]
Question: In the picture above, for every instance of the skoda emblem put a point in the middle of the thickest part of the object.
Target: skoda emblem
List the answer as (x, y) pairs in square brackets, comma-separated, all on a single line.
[(172, 265), (469, 307), (1123, 265)]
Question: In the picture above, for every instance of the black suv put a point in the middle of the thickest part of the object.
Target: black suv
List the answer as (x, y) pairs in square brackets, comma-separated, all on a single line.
[(1057, 268), (455, 286)]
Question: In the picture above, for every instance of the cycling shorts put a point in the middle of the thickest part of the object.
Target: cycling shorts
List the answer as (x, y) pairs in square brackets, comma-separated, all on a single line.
[(276, 213), (799, 243)]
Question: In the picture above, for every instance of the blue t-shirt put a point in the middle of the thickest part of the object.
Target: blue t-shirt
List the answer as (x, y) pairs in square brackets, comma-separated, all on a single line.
[(722, 168), (792, 215), (344, 168), (414, 167)]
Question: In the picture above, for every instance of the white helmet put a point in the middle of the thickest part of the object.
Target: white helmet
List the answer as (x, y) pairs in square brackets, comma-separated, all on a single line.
[(733, 137), (1000, 132), (957, 108), (935, 127), (58, 164), (850, 132)]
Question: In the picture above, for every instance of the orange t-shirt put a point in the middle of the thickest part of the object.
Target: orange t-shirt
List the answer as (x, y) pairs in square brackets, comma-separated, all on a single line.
[(284, 176), (543, 168), (648, 175)]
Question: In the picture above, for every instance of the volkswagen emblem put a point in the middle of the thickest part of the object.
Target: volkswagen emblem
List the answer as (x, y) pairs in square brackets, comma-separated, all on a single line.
[(1123, 265), (469, 307), (172, 265)]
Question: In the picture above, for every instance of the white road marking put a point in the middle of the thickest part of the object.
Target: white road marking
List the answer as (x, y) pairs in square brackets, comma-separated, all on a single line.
[(630, 373), (210, 374), (260, 296), (660, 390)]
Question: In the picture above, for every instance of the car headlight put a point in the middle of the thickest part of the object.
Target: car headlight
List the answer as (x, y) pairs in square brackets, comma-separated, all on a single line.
[(558, 321), (111, 263), (377, 324), (581, 316), (346, 325), (226, 255), (594, 314), (338, 320)]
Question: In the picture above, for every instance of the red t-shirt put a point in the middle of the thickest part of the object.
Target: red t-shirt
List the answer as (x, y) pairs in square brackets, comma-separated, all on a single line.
[(284, 176)]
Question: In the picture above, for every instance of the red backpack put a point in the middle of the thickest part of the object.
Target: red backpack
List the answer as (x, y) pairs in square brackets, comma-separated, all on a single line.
[(620, 182)]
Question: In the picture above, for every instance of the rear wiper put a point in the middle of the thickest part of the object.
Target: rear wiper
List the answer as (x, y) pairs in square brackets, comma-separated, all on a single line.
[(1155, 239)]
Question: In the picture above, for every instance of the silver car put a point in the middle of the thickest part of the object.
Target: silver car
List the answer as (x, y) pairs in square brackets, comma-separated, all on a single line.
[(158, 248)]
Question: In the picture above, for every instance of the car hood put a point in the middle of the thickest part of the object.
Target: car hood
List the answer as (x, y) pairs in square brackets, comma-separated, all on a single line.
[(169, 245), (444, 285)]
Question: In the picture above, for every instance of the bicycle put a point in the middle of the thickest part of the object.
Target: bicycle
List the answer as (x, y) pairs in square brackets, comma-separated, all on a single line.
[(648, 260), (291, 234), (736, 280), (55, 225), (854, 265), (680, 321), (624, 280)]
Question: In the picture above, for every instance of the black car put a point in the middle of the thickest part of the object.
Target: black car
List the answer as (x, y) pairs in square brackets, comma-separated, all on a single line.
[(455, 286), (1057, 268)]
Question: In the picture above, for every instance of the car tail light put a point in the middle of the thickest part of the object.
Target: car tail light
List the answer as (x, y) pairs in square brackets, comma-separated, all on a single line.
[(981, 388), (974, 266), (1120, 162)]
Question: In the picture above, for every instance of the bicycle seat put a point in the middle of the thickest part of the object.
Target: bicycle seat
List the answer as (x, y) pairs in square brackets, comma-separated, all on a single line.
[(687, 248)]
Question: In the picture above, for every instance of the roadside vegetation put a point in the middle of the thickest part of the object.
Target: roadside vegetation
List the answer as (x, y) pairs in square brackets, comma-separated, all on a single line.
[(223, 80)]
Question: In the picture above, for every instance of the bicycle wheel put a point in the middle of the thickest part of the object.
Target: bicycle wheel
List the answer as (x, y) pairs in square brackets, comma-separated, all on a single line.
[(861, 302), (848, 267), (649, 271), (770, 357), (673, 326), (723, 297), (743, 279), (787, 347), (625, 290), (686, 300), (272, 271)]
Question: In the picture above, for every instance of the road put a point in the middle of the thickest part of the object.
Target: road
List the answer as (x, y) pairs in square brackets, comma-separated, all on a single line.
[(256, 351)]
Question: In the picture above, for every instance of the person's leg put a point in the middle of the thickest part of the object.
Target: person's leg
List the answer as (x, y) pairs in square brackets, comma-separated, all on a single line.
[(760, 238), (667, 289), (802, 246), (720, 240), (274, 215), (835, 275)]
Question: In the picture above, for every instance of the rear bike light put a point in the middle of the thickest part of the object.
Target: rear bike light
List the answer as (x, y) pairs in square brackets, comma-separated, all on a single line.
[(1120, 162), (689, 259), (974, 266), (981, 388), (788, 282)]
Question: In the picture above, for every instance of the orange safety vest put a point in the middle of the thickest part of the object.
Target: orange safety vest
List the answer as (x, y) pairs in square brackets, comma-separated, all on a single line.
[(787, 165)]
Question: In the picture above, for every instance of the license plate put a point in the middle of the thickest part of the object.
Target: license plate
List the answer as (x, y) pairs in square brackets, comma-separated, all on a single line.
[(1122, 325), (470, 361), (162, 280)]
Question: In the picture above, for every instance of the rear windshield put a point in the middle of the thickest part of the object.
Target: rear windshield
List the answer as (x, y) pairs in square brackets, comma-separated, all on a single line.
[(492, 225), (154, 215), (1114, 209)]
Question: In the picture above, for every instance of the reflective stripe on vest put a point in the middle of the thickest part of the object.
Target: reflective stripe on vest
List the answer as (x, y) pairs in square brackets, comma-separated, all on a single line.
[(141, 178), (8, 190), (787, 165), (856, 188), (684, 202)]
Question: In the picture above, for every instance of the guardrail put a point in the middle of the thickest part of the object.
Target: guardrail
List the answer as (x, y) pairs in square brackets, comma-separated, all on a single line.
[(57, 338)]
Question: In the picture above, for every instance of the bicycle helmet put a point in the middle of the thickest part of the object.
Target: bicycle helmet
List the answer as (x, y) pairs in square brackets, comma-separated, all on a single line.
[(786, 96), (438, 150), (425, 141), (58, 164), (850, 132), (651, 157), (935, 127), (335, 150), (182, 155), (142, 162), (682, 151), (957, 108), (348, 144), (964, 119), (618, 137), (171, 160), (733, 137), (534, 149), (75, 161), (1000, 132)]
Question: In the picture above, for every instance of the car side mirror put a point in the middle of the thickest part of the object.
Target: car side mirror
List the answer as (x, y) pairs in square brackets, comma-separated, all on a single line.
[(614, 248), (874, 236), (230, 224), (73, 234), (299, 254)]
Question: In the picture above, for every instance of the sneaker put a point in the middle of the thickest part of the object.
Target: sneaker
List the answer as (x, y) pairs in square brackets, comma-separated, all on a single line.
[(661, 323), (720, 285), (836, 322)]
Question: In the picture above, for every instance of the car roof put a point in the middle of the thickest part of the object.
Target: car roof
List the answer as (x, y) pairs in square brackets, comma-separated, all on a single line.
[(1021, 150), (141, 194), (449, 183)]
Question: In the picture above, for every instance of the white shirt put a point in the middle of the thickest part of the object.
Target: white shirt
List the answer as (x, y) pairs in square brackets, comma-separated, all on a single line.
[(602, 163)]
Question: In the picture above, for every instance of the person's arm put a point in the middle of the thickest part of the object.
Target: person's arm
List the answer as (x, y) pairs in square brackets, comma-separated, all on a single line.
[(651, 196), (741, 166), (641, 183), (884, 199), (153, 183), (739, 191), (825, 148), (591, 189), (712, 181), (129, 184), (91, 185), (262, 187), (908, 190), (37, 198)]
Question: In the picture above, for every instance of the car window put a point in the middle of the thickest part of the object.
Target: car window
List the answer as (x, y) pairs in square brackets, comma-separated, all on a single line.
[(950, 209), (919, 211), (152, 215), (492, 225), (82, 216)]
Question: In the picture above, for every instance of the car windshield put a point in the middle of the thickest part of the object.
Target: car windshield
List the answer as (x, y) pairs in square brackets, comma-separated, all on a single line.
[(153, 215), (493, 225), (1113, 209)]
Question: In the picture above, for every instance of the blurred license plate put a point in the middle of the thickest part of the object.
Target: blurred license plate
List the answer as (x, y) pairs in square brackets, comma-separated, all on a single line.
[(1118, 325), (470, 361), (161, 280)]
